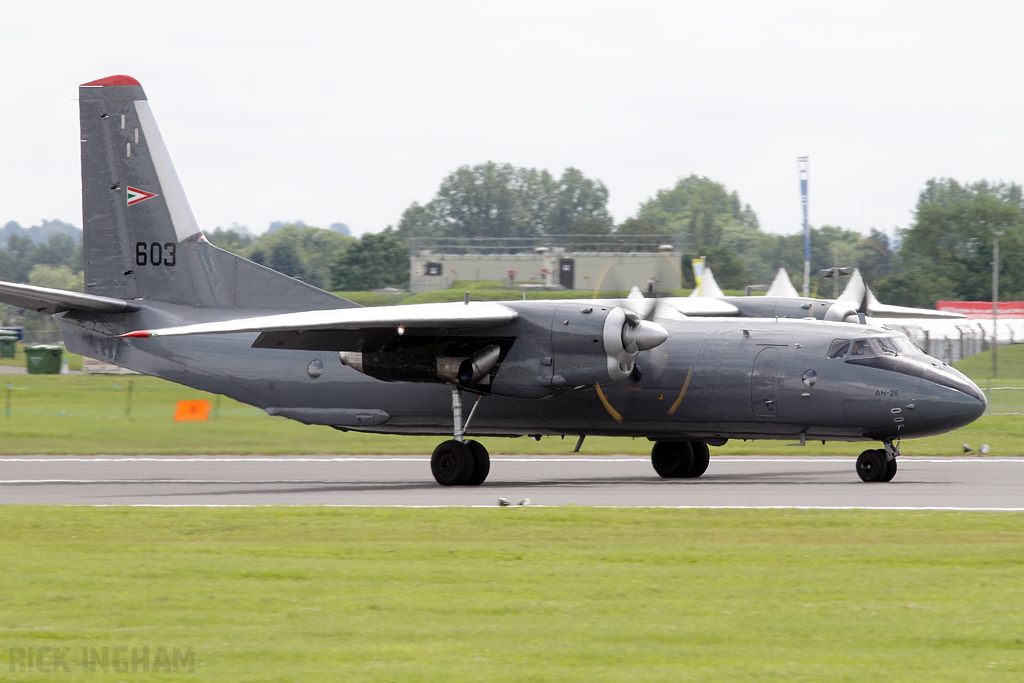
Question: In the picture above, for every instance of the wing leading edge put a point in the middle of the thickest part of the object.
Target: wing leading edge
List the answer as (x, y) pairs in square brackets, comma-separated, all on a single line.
[(447, 316)]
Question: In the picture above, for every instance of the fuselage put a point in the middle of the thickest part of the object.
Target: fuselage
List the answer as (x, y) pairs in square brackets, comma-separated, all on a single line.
[(713, 379)]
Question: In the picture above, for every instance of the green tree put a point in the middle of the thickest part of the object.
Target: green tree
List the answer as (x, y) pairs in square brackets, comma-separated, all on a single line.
[(55, 277), (729, 269), (302, 252), (501, 200), (375, 261), (20, 249), (712, 220), (236, 241), (637, 226), (950, 242), (579, 206)]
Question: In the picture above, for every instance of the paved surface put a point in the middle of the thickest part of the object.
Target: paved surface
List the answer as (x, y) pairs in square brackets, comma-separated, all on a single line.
[(825, 482)]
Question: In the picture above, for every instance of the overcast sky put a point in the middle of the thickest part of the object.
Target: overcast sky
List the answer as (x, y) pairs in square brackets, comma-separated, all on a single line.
[(349, 111)]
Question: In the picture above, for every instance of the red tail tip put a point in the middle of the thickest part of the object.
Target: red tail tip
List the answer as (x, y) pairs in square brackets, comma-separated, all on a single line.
[(137, 334), (114, 80)]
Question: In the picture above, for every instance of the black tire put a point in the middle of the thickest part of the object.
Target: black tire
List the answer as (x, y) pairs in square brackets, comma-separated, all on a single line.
[(871, 465), (701, 459), (890, 470), (452, 463), (672, 459), (481, 462)]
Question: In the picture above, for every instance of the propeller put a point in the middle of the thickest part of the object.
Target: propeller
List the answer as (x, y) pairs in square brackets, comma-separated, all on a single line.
[(627, 333)]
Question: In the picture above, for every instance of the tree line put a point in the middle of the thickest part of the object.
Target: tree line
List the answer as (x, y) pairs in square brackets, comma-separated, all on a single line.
[(945, 253)]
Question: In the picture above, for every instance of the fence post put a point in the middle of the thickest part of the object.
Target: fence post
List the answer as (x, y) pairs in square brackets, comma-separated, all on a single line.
[(7, 411), (128, 406)]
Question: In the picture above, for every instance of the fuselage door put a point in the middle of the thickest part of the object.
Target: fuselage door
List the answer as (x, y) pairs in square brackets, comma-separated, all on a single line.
[(764, 384)]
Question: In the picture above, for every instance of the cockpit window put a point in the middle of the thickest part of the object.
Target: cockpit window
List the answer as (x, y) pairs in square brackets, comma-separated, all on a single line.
[(884, 346), (839, 348), (905, 345), (861, 347)]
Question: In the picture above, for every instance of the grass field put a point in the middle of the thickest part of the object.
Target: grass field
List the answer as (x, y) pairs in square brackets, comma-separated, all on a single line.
[(979, 367), (520, 594)]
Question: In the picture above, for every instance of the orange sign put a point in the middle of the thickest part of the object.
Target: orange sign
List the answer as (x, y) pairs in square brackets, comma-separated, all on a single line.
[(192, 410)]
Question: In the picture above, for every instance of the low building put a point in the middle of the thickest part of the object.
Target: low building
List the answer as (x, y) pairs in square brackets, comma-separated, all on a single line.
[(581, 262)]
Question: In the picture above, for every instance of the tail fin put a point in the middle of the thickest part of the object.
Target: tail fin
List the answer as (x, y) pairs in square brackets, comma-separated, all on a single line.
[(141, 239)]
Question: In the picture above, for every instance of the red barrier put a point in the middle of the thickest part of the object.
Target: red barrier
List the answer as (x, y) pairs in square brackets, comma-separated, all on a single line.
[(983, 309)]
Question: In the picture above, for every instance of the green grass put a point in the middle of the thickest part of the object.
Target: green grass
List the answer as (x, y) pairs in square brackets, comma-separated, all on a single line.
[(89, 414), (1010, 360), (521, 594)]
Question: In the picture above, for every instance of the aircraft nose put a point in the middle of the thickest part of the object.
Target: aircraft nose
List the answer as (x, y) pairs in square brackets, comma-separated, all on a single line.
[(945, 409)]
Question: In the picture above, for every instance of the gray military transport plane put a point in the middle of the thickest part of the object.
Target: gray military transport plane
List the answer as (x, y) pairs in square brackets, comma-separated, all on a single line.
[(684, 373)]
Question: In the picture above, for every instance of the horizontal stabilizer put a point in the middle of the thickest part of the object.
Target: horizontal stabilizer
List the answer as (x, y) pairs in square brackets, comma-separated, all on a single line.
[(47, 300), (448, 317)]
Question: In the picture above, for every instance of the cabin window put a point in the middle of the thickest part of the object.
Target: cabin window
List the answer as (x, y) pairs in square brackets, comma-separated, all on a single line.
[(839, 348)]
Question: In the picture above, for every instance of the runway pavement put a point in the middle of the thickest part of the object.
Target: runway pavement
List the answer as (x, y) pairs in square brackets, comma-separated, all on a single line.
[(731, 481)]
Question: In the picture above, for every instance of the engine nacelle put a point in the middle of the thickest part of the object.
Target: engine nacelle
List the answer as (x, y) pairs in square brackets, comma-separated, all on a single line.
[(625, 336), (424, 364), (594, 344), (842, 311)]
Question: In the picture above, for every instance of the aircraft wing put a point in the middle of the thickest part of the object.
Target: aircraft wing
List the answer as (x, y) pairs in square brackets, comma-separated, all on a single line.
[(698, 307), (701, 306), (47, 300), (877, 309), (447, 317)]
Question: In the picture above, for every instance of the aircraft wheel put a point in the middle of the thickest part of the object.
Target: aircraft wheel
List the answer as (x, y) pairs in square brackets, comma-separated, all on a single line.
[(481, 462), (672, 459), (452, 463), (701, 459), (871, 465), (890, 470)]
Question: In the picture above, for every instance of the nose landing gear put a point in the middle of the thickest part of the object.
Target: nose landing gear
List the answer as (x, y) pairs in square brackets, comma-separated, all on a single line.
[(879, 464), (458, 462)]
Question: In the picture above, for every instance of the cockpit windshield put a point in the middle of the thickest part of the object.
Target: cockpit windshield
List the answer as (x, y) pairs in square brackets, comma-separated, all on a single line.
[(884, 346), (872, 346)]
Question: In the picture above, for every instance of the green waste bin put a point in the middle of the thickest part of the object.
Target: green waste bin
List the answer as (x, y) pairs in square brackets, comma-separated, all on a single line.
[(8, 346), (43, 360)]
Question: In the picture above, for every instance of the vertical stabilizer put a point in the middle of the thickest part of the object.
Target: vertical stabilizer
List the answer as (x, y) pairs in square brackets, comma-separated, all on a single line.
[(140, 237)]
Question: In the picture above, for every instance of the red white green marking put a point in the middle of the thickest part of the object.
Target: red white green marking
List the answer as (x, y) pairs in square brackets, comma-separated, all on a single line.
[(135, 195)]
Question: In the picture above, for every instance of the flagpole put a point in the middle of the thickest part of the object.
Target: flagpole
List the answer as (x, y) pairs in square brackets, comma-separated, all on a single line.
[(802, 165)]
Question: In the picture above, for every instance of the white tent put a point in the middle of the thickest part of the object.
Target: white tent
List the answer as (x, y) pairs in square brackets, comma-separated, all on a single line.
[(782, 287), (708, 288)]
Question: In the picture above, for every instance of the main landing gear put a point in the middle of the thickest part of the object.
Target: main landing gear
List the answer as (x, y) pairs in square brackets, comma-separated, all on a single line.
[(680, 459), (878, 464), (458, 462)]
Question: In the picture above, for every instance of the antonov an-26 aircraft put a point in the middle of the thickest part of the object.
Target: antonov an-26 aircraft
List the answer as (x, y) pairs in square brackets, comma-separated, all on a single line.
[(684, 373)]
